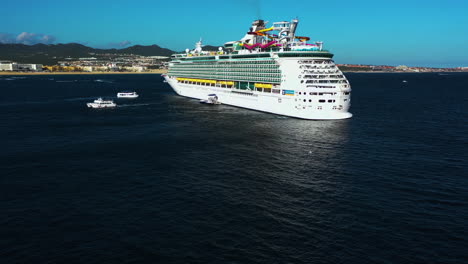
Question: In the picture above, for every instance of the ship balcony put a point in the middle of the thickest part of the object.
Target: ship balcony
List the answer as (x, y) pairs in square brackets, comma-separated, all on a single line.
[(320, 72), (336, 81), (323, 76), (318, 67)]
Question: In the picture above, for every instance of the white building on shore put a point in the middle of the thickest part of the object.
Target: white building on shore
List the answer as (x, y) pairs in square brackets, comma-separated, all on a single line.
[(12, 66), (7, 67)]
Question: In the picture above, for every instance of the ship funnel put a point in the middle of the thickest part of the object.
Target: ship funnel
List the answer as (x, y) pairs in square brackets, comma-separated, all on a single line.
[(256, 26)]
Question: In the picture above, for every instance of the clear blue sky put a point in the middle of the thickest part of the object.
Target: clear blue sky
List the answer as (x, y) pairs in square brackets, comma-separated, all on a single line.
[(426, 33)]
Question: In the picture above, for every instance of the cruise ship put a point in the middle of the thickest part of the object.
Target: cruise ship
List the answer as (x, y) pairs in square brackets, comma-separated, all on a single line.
[(270, 69)]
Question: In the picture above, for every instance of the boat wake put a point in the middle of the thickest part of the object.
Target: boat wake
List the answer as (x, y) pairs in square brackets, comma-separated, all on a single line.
[(132, 105), (104, 81), (80, 99), (12, 78)]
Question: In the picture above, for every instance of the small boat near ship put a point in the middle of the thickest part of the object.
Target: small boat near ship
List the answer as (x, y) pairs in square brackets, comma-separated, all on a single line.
[(212, 99), (127, 95), (100, 103)]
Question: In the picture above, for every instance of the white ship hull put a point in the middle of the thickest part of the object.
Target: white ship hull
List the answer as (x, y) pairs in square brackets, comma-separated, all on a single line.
[(126, 95), (286, 105), (94, 105), (100, 103)]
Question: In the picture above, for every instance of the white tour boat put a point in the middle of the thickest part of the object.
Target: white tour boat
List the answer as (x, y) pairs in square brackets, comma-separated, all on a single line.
[(100, 103), (212, 99), (127, 95)]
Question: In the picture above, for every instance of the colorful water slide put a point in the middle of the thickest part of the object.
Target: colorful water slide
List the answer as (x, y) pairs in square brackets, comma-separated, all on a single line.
[(303, 38), (265, 30), (261, 32), (263, 46), (256, 33)]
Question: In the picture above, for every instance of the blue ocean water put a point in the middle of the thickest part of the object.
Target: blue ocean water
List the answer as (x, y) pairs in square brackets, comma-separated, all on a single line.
[(164, 179)]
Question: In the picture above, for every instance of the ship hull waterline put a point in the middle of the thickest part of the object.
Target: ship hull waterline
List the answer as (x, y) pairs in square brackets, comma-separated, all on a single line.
[(265, 102)]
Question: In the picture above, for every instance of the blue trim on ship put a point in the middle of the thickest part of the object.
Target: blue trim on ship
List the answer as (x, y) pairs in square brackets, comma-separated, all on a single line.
[(288, 92)]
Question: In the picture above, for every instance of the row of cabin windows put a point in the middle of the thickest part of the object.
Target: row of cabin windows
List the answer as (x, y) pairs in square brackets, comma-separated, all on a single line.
[(236, 80), (311, 93), (233, 63), (227, 70), (331, 93), (266, 80), (328, 87), (207, 84), (248, 61), (326, 81), (321, 81), (232, 73), (317, 71), (242, 93), (224, 69), (315, 62), (321, 76), (317, 67), (318, 86), (265, 66), (264, 61), (320, 101), (261, 70), (233, 77), (226, 65), (264, 90)]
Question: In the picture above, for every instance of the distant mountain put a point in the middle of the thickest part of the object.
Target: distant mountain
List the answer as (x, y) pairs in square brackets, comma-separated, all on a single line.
[(51, 54), (153, 50)]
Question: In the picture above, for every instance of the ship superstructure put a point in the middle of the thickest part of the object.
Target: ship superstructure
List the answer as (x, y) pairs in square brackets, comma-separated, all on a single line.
[(270, 69)]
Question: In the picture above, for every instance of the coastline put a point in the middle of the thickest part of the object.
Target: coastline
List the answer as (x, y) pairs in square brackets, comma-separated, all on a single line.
[(80, 73), (4, 73)]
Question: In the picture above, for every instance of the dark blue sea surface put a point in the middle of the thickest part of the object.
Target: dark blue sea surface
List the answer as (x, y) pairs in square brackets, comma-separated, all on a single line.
[(164, 179)]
